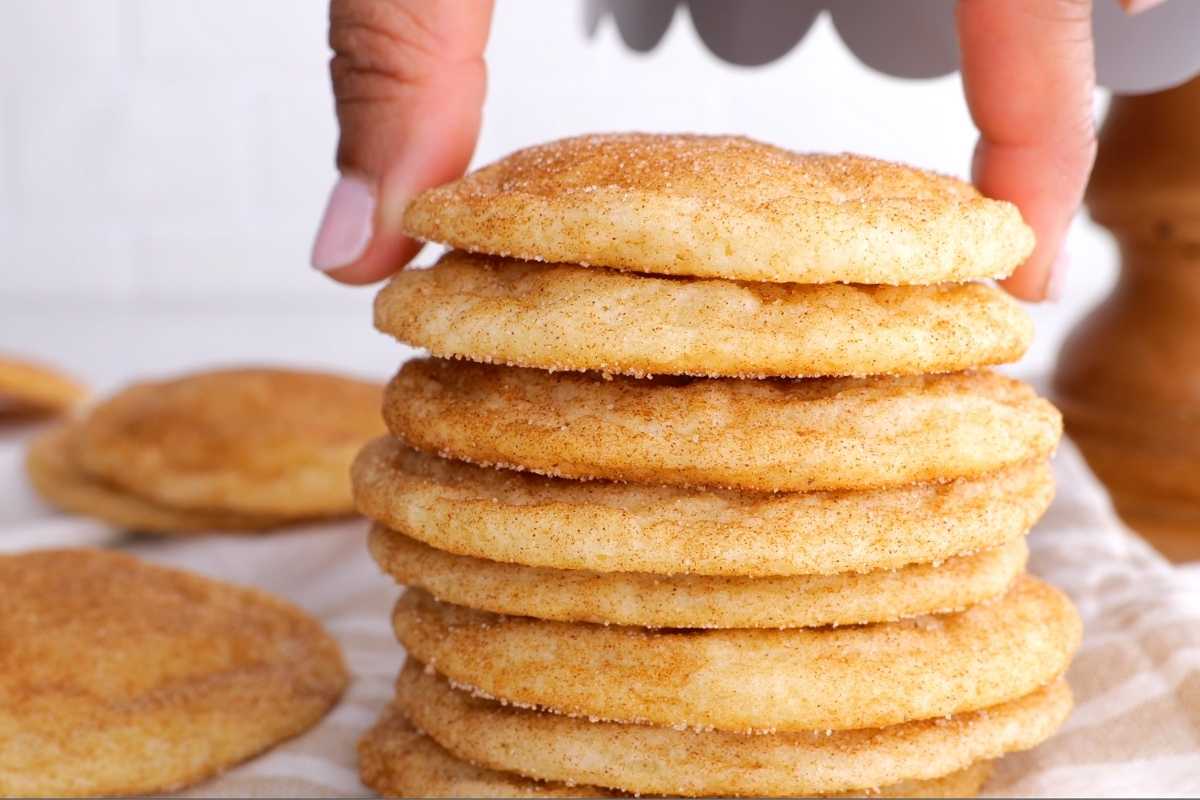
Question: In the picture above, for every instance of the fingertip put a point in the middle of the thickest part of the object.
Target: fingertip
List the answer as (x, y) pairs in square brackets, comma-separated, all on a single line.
[(1027, 283), (360, 240), (409, 80), (1046, 185), (346, 226), (1057, 280), (356, 275), (382, 260), (1043, 276)]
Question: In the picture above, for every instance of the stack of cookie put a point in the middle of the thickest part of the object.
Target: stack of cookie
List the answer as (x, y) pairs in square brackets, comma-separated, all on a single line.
[(754, 526)]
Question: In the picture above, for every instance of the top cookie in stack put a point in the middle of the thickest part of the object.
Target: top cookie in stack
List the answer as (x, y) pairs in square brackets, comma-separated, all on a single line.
[(725, 207), (643, 570)]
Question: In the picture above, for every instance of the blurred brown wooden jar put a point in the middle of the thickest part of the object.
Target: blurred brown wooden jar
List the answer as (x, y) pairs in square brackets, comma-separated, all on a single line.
[(1128, 378)]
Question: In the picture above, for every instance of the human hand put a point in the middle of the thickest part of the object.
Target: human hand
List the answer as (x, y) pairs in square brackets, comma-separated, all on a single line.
[(1028, 72), (409, 80)]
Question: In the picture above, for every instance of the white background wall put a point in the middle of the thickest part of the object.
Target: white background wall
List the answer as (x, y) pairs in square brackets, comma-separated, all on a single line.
[(161, 154)]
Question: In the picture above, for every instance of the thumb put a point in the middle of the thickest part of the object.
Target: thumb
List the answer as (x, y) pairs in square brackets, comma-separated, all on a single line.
[(409, 80)]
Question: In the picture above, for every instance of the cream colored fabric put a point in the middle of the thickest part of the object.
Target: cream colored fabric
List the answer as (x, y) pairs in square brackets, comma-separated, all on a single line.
[(1135, 731)]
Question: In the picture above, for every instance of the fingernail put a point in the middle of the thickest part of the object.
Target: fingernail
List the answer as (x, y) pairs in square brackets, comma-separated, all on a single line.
[(1138, 6), (1057, 280), (346, 227)]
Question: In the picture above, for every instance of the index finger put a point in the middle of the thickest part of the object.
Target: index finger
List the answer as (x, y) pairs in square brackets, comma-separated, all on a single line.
[(1028, 73)]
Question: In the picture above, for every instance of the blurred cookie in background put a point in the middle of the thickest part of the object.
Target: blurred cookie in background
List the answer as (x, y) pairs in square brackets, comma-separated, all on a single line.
[(52, 470), (30, 389), (226, 450), (119, 677)]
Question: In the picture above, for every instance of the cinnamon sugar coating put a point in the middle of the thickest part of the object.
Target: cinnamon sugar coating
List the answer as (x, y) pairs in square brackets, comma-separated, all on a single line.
[(119, 677), (258, 441), (753, 679), (661, 760), (50, 465), (724, 207), (396, 760), (699, 601), (565, 317), (523, 518), (776, 435), (29, 387)]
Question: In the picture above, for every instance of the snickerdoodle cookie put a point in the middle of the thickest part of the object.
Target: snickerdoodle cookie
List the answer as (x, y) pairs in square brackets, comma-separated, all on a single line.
[(663, 760), (753, 679), (27, 387), (727, 207), (119, 677), (520, 517), (566, 317), (699, 601), (259, 441), (50, 464), (396, 760), (769, 435)]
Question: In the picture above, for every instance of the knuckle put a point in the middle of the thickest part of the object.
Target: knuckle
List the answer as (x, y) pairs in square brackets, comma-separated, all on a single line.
[(1069, 12), (379, 47)]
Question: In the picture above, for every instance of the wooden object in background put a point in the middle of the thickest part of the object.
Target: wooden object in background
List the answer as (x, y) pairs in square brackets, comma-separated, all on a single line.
[(1128, 378)]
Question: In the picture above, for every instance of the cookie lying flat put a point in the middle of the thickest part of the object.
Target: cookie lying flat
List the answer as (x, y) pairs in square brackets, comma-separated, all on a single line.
[(26, 387), (699, 601), (564, 317), (519, 517), (396, 760), (50, 464), (118, 677), (660, 760), (254, 441), (725, 207), (747, 679), (778, 435)]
